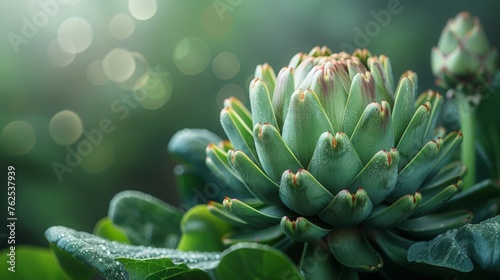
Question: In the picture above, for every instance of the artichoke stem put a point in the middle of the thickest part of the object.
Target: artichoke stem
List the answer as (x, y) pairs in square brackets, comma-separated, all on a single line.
[(467, 115)]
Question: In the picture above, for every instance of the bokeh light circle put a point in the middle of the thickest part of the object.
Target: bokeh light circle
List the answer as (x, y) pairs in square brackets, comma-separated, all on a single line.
[(191, 55), (75, 35), (229, 90), (226, 65), (140, 75), (18, 138), (12, 96), (121, 26), (154, 94), (57, 56), (65, 127), (100, 157), (142, 9), (95, 73), (118, 65)]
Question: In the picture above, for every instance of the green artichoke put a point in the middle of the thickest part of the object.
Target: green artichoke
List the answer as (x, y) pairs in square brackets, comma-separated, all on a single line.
[(463, 55), (330, 151)]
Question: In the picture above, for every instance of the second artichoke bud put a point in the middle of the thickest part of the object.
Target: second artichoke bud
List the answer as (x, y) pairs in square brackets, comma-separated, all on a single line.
[(463, 56)]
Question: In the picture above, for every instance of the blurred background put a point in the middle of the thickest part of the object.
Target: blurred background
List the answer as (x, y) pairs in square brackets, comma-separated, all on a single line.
[(91, 92)]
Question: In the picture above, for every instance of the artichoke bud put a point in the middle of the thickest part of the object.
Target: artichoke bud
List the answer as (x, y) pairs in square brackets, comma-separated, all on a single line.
[(463, 56), (332, 142)]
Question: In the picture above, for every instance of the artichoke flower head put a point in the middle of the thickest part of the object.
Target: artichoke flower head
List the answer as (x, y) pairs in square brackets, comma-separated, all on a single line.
[(330, 148), (463, 55)]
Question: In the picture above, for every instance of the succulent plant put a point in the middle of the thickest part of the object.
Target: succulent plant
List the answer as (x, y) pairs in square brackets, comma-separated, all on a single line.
[(463, 54), (332, 149)]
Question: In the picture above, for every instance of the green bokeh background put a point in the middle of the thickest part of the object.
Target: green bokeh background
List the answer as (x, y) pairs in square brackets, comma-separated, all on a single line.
[(255, 31)]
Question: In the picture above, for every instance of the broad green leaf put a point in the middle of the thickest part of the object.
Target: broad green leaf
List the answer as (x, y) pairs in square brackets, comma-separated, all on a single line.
[(100, 254), (106, 229), (90, 250), (255, 261), (461, 248), (145, 220), (202, 231), (29, 262), (73, 267), (160, 268)]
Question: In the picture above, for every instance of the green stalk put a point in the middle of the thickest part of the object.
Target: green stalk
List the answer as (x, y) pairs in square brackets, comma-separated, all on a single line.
[(468, 127)]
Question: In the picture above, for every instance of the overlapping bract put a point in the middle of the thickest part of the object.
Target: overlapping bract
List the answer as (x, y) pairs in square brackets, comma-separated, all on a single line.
[(463, 55), (331, 144)]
